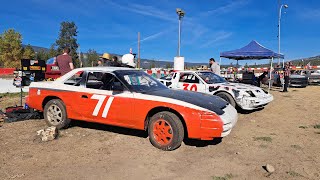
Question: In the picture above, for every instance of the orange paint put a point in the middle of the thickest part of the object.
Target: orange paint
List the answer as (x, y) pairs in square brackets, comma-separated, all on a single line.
[(127, 111)]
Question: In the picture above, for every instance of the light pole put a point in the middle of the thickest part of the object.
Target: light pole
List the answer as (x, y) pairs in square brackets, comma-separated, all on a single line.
[(181, 14), (279, 21)]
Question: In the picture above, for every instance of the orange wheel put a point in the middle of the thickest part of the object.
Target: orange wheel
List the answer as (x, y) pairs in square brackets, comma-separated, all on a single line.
[(162, 132), (165, 131)]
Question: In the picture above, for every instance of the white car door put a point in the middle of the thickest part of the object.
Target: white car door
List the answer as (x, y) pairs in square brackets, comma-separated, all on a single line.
[(191, 82)]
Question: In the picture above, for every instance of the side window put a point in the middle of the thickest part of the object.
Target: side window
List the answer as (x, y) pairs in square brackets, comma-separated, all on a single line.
[(189, 78), (111, 83), (94, 80), (75, 79)]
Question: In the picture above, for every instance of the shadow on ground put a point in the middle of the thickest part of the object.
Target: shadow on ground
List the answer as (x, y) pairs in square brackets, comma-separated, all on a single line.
[(138, 133), (242, 111), (201, 143), (114, 129)]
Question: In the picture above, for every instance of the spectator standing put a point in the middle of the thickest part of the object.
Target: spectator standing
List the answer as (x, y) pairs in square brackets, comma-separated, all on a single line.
[(106, 59), (115, 61), (64, 62), (214, 66), (100, 64), (286, 73)]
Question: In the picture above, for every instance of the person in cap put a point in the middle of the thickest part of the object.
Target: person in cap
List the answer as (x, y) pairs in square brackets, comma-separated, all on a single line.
[(214, 66), (106, 59)]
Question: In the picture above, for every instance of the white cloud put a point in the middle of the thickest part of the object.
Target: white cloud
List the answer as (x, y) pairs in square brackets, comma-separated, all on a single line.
[(144, 10), (227, 8), (311, 14), (219, 36)]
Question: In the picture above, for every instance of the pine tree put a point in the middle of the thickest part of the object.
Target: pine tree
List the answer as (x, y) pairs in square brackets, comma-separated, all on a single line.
[(10, 48), (42, 55), (52, 51), (28, 52), (67, 38)]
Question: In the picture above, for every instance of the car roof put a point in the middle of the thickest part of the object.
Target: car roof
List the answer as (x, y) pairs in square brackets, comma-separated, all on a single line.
[(190, 71), (102, 68)]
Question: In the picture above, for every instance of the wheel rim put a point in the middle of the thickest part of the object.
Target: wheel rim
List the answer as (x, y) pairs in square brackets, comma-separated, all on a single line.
[(54, 115), (162, 132)]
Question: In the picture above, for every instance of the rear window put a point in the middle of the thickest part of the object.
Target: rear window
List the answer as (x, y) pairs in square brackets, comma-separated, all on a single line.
[(75, 79)]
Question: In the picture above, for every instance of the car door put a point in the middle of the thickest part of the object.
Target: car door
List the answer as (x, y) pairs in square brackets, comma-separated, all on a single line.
[(111, 103), (190, 82)]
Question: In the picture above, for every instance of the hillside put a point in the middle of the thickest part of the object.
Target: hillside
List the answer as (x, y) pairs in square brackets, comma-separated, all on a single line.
[(147, 63)]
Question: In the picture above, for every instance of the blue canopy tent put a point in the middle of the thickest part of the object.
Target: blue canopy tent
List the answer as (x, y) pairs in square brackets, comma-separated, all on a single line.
[(253, 50)]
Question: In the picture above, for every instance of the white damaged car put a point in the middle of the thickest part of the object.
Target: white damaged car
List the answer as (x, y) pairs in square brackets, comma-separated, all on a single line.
[(245, 96)]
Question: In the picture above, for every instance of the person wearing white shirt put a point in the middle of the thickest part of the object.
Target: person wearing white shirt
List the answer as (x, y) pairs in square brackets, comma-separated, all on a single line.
[(214, 66)]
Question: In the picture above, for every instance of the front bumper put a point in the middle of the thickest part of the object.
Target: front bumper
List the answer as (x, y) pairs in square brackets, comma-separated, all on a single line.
[(213, 126), (250, 103), (229, 118), (314, 81)]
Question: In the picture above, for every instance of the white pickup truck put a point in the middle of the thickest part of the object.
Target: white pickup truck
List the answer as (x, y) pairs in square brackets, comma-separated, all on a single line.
[(245, 96)]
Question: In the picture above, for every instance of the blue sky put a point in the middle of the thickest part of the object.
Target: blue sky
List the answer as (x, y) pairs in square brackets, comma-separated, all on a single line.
[(209, 27)]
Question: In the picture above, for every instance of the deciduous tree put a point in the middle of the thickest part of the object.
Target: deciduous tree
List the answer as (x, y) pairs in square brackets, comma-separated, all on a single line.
[(92, 57)]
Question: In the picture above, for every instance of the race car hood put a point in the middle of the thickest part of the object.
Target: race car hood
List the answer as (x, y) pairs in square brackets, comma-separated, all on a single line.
[(210, 102), (237, 86)]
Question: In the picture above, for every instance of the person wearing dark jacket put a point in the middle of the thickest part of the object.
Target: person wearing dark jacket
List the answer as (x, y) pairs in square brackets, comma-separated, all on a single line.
[(286, 72), (261, 77)]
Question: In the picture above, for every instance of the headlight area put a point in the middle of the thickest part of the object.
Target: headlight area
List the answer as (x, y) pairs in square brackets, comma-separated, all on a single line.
[(246, 99), (236, 92), (211, 126), (250, 93)]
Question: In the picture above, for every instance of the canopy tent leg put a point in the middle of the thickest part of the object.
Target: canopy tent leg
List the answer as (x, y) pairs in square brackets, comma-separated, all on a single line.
[(270, 75), (220, 61)]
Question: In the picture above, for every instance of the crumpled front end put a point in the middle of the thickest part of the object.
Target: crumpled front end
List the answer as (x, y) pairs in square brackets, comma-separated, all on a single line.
[(213, 125), (253, 99)]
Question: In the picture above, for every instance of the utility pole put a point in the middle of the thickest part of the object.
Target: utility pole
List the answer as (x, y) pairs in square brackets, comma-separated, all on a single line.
[(138, 50), (81, 65)]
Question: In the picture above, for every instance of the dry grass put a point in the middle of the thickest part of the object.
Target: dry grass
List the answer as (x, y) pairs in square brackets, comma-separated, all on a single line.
[(266, 139)]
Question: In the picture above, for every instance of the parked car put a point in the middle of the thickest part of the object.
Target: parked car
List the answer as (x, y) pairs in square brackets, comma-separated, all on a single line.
[(312, 75), (132, 99), (245, 96), (295, 80), (52, 70)]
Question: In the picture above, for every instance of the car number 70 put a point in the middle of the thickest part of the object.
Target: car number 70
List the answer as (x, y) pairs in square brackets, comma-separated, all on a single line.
[(101, 99)]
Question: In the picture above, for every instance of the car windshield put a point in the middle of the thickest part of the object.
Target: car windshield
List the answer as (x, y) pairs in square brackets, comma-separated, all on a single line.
[(139, 81), (211, 78)]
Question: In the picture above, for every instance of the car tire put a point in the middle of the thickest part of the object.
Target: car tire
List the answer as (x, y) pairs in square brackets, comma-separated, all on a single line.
[(165, 131), (55, 114), (227, 97)]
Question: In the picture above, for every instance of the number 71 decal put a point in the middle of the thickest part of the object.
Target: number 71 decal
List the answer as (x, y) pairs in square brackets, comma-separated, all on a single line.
[(101, 99)]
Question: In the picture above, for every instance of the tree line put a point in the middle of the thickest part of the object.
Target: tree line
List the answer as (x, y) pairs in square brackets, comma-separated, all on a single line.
[(12, 50)]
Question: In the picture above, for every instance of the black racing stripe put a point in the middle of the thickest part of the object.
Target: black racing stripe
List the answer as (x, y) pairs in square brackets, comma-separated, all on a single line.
[(210, 102)]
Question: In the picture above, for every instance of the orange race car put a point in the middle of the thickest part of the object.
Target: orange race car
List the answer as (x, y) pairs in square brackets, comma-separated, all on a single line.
[(133, 99)]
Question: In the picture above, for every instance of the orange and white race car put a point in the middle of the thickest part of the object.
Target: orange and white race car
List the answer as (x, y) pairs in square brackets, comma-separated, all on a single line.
[(132, 99)]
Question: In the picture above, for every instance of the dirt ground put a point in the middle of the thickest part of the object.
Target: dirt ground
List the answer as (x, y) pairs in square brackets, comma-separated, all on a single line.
[(283, 134)]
